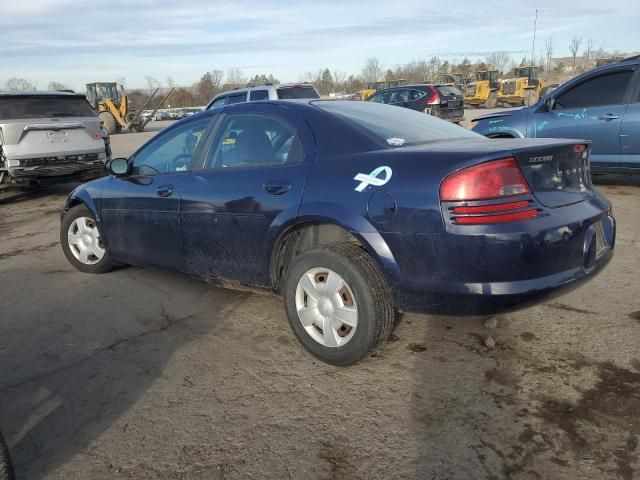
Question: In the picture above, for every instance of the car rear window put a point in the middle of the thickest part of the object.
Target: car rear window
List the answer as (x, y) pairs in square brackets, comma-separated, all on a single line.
[(393, 126), (448, 90), (294, 92), (42, 106)]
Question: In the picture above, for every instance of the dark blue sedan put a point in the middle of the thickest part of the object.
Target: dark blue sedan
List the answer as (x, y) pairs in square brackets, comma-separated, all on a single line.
[(353, 211), (602, 105)]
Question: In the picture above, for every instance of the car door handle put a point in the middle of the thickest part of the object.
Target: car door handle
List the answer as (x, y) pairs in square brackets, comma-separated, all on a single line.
[(609, 116), (277, 187), (165, 190)]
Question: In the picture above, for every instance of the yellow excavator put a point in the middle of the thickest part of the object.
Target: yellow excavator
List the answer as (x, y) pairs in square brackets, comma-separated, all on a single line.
[(114, 110), (524, 88), (483, 92)]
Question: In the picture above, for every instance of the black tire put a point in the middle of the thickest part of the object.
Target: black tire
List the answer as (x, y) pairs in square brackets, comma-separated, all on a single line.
[(376, 314), (105, 264), (109, 122), (6, 468)]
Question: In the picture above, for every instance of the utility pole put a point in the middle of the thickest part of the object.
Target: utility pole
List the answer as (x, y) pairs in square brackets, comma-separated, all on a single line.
[(533, 46)]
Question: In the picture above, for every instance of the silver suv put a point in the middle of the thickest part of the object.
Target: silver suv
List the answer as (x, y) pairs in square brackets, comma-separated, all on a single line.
[(268, 91), (49, 136)]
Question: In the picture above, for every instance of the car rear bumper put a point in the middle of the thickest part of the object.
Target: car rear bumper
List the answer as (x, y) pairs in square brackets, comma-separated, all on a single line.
[(496, 297), (490, 269), (81, 167)]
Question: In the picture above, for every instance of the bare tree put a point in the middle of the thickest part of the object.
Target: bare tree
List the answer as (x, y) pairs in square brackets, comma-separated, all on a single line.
[(548, 47), (588, 51), (19, 85), (57, 86), (152, 83), (372, 71), (339, 80), (574, 47), (122, 82), (216, 78), (498, 61), (236, 77)]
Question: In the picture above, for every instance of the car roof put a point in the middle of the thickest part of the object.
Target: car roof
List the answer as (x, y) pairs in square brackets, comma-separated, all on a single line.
[(6, 93)]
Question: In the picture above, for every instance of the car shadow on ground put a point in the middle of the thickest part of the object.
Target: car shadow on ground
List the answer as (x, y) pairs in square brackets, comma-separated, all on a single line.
[(15, 195), (68, 374)]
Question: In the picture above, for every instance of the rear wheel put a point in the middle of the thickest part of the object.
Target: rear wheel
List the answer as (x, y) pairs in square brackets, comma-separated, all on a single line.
[(82, 243), (338, 303), (109, 122)]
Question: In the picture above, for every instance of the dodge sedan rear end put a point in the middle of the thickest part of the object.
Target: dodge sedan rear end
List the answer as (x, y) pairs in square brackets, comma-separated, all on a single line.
[(352, 211)]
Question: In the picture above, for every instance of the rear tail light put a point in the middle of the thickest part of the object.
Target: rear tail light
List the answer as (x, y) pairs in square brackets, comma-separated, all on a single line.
[(97, 135), (434, 98), (493, 180), (496, 179)]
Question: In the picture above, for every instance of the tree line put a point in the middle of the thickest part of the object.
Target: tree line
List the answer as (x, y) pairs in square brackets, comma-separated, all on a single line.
[(328, 81)]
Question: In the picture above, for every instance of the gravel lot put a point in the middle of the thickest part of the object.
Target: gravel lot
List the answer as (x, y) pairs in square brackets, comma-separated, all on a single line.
[(144, 374)]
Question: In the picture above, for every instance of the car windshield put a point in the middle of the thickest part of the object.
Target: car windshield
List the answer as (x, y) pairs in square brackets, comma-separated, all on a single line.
[(395, 126), (19, 107), (291, 93)]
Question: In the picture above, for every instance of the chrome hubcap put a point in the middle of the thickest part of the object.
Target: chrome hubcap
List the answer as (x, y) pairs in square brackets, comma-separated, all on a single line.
[(84, 241), (326, 307)]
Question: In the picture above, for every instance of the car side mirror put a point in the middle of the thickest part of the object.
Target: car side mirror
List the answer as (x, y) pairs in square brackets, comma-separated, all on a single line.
[(118, 167), (548, 104)]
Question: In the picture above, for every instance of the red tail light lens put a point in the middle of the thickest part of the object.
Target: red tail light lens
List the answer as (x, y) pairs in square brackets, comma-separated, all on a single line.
[(499, 178), (434, 98), (506, 217), (579, 148)]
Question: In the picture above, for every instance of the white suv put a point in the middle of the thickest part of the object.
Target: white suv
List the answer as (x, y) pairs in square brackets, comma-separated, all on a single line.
[(267, 91)]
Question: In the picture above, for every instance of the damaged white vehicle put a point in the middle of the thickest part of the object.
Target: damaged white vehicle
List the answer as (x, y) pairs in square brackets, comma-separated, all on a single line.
[(49, 137)]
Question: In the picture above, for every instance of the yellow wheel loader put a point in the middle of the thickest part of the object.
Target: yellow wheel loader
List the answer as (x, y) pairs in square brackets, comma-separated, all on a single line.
[(483, 92), (114, 110), (524, 88)]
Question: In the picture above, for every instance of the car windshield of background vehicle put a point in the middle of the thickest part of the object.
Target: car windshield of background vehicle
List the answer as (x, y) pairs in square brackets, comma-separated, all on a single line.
[(603, 90), (389, 122), (292, 93), (44, 107)]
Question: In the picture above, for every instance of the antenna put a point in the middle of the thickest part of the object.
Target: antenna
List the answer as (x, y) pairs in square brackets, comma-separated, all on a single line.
[(533, 46)]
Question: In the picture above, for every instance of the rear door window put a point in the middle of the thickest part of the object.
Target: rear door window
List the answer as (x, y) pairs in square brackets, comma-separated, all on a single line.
[(607, 89), (399, 96), (236, 98), (44, 106), (255, 95), (416, 94), (297, 91)]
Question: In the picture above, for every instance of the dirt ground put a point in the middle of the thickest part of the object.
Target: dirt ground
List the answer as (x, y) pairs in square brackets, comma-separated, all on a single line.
[(144, 374)]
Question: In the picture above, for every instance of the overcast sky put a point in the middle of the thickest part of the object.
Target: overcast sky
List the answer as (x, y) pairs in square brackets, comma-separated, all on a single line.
[(79, 41)]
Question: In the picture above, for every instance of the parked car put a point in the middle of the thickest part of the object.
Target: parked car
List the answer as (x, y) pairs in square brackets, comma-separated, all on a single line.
[(601, 105), (352, 211), (49, 136), (289, 91), (442, 101)]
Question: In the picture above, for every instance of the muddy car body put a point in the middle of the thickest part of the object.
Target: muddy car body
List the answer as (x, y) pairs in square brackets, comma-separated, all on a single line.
[(49, 136), (351, 210)]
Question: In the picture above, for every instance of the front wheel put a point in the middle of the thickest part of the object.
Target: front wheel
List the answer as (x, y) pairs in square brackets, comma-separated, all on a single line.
[(82, 242), (338, 303)]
